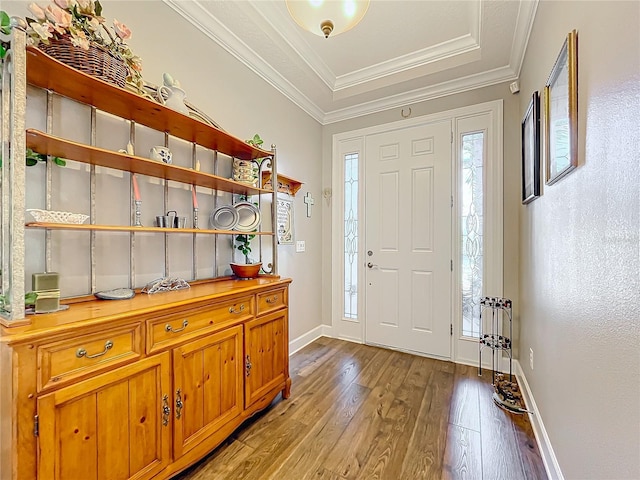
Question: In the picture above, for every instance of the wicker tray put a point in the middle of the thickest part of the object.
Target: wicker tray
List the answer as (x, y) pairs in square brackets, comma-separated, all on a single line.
[(97, 61)]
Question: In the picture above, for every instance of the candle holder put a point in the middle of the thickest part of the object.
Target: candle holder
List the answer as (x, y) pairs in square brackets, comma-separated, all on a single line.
[(138, 213), (195, 217)]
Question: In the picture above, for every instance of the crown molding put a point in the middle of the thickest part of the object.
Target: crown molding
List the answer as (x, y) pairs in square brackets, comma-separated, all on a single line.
[(202, 19), (524, 24), (291, 35), (431, 55), (218, 32), (459, 85)]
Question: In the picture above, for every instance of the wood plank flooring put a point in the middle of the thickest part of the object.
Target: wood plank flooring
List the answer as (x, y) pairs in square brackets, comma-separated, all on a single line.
[(361, 412)]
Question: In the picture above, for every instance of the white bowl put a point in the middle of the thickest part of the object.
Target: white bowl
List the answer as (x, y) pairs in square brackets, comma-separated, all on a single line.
[(54, 216)]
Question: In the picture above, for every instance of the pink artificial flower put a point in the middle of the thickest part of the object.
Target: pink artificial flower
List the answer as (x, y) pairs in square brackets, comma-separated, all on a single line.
[(63, 3), (58, 16), (37, 11), (136, 64), (94, 23), (80, 40), (85, 5), (42, 30), (122, 30)]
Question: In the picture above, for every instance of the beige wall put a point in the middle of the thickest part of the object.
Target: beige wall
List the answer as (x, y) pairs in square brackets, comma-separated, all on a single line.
[(243, 104), (579, 249), (511, 175)]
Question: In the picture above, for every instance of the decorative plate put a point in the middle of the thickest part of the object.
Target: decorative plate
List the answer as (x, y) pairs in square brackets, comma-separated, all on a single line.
[(116, 294), (248, 216), (224, 218)]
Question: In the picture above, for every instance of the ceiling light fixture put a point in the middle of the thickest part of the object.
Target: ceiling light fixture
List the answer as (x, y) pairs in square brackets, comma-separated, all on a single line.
[(327, 17)]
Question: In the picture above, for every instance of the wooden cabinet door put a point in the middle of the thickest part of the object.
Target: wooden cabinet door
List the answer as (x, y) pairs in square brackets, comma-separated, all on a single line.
[(208, 386), (109, 427), (266, 355)]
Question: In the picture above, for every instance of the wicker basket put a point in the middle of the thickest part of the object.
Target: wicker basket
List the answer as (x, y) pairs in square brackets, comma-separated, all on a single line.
[(97, 61)]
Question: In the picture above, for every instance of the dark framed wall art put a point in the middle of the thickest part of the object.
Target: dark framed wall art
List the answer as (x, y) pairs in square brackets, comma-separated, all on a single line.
[(531, 150)]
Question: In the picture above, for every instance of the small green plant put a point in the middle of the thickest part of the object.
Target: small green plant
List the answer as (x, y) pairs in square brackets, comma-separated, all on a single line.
[(243, 240), (256, 141), (5, 29), (29, 299), (32, 158), (243, 243)]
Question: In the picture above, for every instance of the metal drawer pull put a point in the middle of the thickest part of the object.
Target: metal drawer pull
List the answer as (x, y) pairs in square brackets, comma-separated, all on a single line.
[(248, 366), (169, 328), (166, 410), (235, 310), (81, 352), (273, 299), (179, 404)]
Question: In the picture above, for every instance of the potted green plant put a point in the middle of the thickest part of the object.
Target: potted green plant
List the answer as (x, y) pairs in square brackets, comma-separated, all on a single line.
[(242, 242)]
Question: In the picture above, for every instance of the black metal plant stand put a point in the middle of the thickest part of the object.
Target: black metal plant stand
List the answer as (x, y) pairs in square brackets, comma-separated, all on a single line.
[(507, 393)]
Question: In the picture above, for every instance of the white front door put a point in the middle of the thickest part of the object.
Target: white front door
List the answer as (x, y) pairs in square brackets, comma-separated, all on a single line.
[(408, 238)]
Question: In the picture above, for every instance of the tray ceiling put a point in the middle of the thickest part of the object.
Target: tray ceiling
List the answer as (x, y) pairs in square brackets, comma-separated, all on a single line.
[(403, 51)]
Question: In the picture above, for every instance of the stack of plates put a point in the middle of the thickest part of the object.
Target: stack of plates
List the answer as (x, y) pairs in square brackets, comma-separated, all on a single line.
[(243, 217)]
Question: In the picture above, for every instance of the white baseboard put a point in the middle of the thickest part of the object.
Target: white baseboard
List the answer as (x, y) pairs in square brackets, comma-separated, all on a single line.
[(305, 339), (544, 444)]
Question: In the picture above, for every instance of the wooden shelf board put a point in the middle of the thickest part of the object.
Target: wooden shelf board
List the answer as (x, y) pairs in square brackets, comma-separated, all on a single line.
[(46, 72), (292, 185), (48, 144), (124, 228)]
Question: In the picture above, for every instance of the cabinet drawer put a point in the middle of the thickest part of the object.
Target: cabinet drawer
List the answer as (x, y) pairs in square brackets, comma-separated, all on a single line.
[(172, 329), (68, 360), (272, 300)]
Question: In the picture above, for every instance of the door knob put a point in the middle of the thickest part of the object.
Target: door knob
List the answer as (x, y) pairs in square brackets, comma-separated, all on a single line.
[(371, 265)]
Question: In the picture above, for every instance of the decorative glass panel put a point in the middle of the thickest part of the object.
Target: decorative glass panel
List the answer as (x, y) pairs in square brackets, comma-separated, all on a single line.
[(350, 309), (472, 231)]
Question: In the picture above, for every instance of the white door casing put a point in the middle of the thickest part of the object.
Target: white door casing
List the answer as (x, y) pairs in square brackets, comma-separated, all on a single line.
[(408, 232), (490, 116)]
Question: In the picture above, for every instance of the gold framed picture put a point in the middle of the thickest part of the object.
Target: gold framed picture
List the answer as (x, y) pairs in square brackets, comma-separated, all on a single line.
[(561, 113)]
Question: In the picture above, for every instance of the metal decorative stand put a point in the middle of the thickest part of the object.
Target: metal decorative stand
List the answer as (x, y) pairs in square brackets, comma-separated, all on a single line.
[(499, 308), (507, 393)]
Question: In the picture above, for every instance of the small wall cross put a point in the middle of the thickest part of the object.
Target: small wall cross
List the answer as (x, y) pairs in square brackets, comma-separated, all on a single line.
[(308, 199)]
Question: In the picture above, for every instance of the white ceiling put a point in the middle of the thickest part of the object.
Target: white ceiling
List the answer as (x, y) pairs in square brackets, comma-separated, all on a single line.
[(403, 51)]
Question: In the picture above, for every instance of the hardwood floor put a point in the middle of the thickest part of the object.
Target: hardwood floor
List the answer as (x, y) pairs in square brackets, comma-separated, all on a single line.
[(361, 412)]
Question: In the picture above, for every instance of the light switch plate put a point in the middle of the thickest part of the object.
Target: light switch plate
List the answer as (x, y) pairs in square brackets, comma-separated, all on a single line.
[(300, 246)]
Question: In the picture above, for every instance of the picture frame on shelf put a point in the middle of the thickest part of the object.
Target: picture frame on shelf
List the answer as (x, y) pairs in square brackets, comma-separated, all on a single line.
[(530, 129), (561, 113)]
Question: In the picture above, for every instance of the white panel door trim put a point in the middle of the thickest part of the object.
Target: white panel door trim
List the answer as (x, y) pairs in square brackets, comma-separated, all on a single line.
[(354, 140)]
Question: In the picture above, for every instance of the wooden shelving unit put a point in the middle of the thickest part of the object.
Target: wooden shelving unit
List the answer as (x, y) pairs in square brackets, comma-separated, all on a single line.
[(285, 184), (125, 228), (48, 144), (46, 72)]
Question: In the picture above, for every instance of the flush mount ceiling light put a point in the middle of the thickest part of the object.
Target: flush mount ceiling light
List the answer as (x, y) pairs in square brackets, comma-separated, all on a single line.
[(327, 17)]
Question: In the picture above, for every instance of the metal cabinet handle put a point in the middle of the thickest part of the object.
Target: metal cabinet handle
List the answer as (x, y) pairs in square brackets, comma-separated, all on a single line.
[(169, 328), (166, 410), (273, 299), (179, 404), (235, 310), (82, 352), (248, 366)]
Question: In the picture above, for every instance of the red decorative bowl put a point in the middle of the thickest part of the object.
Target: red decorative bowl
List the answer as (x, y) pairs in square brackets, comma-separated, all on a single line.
[(246, 270)]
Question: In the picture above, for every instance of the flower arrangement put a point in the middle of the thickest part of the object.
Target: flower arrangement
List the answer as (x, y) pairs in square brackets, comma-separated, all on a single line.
[(82, 22)]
